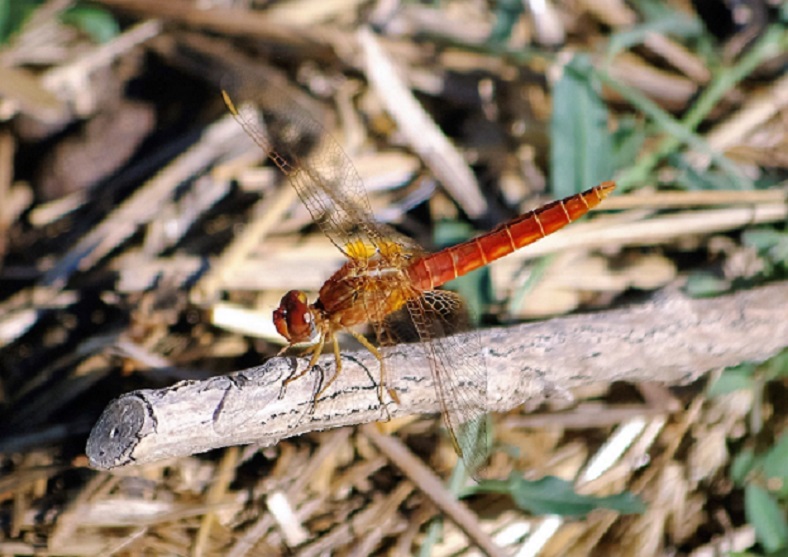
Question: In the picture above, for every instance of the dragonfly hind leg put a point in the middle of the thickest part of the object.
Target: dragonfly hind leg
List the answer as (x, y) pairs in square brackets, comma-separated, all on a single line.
[(382, 383)]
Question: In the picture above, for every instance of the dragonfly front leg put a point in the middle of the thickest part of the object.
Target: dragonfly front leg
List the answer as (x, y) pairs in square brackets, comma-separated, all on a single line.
[(337, 370), (315, 350)]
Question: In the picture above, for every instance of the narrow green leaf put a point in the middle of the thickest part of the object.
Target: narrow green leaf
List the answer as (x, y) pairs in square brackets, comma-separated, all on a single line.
[(762, 238), (627, 140), (691, 179), (475, 440), (99, 24), (704, 285), (675, 24), (5, 19), (775, 465), (551, 495), (742, 464), (770, 243), (520, 292), (507, 13), (581, 152), (733, 379), (766, 517), (777, 367), (13, 15)]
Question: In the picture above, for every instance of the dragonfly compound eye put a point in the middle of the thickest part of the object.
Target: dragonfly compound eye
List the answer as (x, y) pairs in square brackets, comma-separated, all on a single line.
[(292, 318)]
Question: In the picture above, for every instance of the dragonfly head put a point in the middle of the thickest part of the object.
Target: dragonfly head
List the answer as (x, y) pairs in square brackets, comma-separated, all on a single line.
[(293, 318)]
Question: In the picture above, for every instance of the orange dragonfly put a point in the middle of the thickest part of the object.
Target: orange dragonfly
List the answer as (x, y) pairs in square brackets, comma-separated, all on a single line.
[(388, 277)]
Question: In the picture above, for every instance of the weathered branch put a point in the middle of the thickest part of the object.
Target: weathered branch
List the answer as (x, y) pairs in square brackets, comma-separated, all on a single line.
[(673, 340)]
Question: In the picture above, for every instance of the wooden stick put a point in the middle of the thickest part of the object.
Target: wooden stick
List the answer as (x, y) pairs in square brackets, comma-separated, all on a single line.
[(673, 339)]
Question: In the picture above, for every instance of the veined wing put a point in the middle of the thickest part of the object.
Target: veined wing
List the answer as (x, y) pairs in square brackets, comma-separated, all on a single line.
[(314, 163), (458, 372)]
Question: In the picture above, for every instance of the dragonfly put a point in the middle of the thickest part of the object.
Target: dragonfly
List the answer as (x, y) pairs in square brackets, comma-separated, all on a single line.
[(388, 280)]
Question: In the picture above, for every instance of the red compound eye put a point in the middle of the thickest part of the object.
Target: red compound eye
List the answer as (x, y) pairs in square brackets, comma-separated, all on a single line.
[(292, 318)]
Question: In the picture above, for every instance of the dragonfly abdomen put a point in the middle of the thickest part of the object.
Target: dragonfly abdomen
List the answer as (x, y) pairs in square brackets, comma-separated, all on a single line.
[(439, 268)]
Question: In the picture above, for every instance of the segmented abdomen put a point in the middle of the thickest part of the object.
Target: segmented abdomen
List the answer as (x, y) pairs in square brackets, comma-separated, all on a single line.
[(439, 268)]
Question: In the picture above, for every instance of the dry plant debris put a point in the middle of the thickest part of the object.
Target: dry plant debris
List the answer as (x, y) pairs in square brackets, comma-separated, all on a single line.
[(144, 242)]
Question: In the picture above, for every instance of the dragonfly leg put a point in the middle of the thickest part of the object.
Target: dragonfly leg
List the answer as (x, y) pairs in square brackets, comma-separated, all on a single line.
[(338, 360), (382, 384), (315, 350)]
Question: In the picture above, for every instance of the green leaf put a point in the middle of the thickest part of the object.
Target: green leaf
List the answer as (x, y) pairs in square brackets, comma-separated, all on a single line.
[(777, 367), (675, 24), (520, 292), (95, 22), (766, 517), (770, 244), (775, 465), (628, 140), (651, 10), (5, 19), (581, 151), (507, 13), (733, 379), (705, 285), (763, 238), (13, 14), (741, 466), (472, 436), (551, 495), (689, 178)]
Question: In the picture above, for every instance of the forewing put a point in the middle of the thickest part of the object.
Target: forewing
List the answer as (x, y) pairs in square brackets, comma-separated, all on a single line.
[(316, 166), (458, 371)]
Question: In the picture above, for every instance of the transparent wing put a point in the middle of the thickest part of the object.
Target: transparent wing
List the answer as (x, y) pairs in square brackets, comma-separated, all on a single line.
[(458, 371), (316, 166)]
